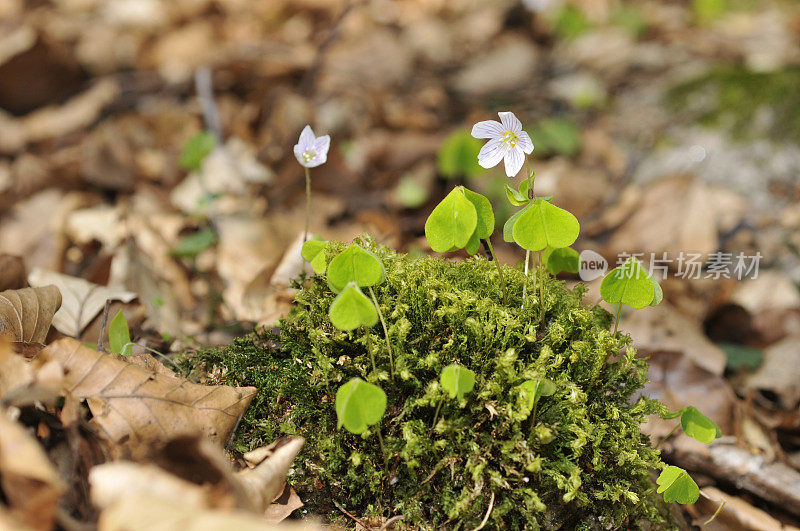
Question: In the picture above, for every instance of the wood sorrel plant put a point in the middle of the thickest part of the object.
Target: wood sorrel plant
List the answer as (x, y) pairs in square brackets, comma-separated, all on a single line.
[(311, 151), (478, 401)]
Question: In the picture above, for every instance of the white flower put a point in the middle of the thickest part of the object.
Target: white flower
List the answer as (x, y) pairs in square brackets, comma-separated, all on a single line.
[(310, 150), (507, 142)]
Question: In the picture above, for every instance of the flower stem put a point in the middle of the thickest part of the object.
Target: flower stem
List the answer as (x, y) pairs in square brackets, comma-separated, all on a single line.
[(616, 322), (499, 271), (525, 284), (383, 449), (436, 415), (385, 332), (540, 272), (308, 204)]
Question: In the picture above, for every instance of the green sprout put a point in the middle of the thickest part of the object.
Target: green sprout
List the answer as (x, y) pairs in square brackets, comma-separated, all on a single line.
[(460, 221), (695, 425), (196, 150), (350, 270), (677, 486), (313, 252), (632, 285), (457, 381), (119, 335), (530, 391), (359, 405), (563, 259)]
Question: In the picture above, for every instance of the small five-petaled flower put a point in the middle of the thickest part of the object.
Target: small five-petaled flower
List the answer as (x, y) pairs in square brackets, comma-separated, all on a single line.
[(310, 150), (507, 142)]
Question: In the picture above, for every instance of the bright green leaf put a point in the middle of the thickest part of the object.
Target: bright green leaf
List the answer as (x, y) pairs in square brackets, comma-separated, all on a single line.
[(514, 197), (458, 156), (545, 225), (359, 404), (452, 223), (351, 309), (313, 252), (119, 335), (677, 486), (194, 244), (628, 284), (508, 226), (658, 294), (485, 225), (457, 380), (698, 426), (563, 259), (196, 150), (354, 264), (532, 390)]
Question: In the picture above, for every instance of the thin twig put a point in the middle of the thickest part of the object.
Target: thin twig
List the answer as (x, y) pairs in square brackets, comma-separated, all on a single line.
[(103, 321), (488, 512), (356, 520), (391, 521)]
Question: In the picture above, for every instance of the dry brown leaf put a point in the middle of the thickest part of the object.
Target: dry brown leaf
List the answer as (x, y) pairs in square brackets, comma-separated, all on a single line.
[(132, 405), (283, 506), (779, 374), (264, 483), (29, 481), (147, 512), (22, 383), (12, 272), (81, 301), (26, 314)]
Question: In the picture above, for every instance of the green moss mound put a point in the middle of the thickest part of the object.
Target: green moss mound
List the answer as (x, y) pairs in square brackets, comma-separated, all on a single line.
[(583, 463)]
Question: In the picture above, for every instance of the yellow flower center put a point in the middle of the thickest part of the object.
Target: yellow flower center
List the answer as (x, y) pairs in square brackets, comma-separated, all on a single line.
[(309, 155), (510, 138)]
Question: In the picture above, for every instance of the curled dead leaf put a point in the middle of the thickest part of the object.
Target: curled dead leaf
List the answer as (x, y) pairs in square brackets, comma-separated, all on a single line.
[(132, 406), (26, 314), (82, 300)]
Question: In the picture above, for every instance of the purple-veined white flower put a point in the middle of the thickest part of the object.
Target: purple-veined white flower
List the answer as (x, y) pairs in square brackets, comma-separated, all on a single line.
[(311, 151), (507, 142)]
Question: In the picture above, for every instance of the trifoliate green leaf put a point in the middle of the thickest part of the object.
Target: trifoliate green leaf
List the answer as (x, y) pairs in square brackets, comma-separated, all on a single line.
[(698, 426), (351, 309), (457, 380), (545, 225), (629, 284), (359, 404), (677, 486), (354, 264), (313, 252), (563, 259), (452, 223), (119, 335)]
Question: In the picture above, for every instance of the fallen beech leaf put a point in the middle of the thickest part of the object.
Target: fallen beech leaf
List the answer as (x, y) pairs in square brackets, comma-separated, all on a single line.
[(82, 300), (283, 506), (28, 480), (132, 405), (264, 483), (26, 314), (146, 512), (12, 272)]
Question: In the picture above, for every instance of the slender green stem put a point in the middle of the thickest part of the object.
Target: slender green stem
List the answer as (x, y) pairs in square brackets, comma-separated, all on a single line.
[(383, 450), (616, 322), (385, 332), (525, 283), (308, 204), (372, 354), (668, 435), (436, 415), (540, 273), (499, 271)]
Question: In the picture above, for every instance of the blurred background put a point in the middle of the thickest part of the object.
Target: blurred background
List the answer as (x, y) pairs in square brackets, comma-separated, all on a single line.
[(146, 147)]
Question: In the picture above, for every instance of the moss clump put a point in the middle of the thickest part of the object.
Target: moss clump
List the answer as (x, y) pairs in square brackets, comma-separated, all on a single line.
[(583, 464)]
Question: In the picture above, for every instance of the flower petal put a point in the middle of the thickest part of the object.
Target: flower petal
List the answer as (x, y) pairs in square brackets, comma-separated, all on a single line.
[(321, 146), (525, 142), (307, 138), (514, 159), (298, 154), (488, 129), (510, 122), (492, 153)]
